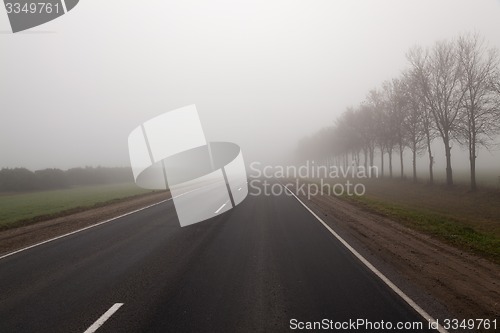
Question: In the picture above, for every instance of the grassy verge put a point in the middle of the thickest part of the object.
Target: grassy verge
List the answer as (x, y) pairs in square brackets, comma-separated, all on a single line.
[(447, 228), (25, 208), (467, 220)]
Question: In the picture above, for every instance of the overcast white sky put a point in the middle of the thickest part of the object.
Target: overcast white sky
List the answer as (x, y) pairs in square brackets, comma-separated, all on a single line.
[(262, 73)]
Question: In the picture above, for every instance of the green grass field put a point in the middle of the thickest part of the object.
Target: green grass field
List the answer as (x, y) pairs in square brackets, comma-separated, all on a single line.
[(22, 208)]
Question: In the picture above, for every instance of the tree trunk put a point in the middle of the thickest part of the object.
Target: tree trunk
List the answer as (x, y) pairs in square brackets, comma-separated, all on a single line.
[(390, 162), (431, 171), (371, 160), (366, 159), (472, 158), (401, 149), (431, 159), (473, 185), (381, 162), (449, 172), (414, 151)]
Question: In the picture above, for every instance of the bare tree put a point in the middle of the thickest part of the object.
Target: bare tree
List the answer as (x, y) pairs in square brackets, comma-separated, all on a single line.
[(400, 105), (414, 122), (346, 135), (419, 73), (395, 105), (480, 104), (355, 140), (443, 93), (375, 100), (367, 130)]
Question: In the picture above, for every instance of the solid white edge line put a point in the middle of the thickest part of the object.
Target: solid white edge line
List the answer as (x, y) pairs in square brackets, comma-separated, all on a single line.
[(82, 229), (99, 322), (386, 280), (63, 2)]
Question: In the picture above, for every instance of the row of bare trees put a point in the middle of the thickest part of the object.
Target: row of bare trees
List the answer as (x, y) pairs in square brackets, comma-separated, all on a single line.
[(449, 92)]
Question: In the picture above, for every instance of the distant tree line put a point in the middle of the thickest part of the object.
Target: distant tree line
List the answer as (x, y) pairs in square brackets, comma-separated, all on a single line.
[(449, 92), (22, 179)]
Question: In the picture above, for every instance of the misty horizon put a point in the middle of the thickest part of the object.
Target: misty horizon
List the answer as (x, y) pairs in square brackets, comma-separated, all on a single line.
[(263, 76)]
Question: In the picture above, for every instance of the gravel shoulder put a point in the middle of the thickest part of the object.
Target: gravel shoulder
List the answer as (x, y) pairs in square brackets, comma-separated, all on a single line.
[(442, 279), (17, 238)]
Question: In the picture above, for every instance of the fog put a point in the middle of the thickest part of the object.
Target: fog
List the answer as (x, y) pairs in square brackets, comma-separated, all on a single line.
[(263, 74)]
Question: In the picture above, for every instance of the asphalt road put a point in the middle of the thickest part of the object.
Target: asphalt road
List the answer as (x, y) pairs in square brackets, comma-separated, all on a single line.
[(252, 268)]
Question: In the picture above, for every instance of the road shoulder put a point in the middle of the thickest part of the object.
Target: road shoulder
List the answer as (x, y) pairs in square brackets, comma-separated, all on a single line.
[(18, 238), (440, 278)]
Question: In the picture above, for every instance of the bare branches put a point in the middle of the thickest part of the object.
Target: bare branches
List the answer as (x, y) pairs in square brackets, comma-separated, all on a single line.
[(450, 91), (478, 119)]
